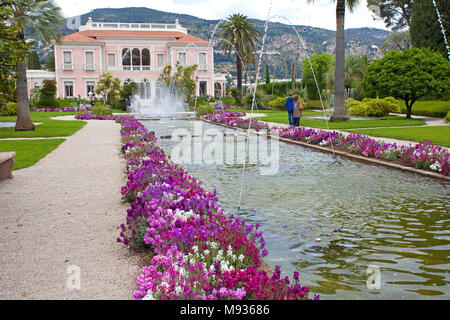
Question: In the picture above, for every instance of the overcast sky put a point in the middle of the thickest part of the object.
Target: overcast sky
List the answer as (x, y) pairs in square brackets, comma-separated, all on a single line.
[(320, 14)]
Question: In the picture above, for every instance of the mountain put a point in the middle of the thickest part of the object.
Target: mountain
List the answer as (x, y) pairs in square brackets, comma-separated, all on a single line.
[(282, 45)]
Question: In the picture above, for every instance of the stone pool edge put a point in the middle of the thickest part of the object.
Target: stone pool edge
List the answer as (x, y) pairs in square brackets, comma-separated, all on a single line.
[(346, 154)]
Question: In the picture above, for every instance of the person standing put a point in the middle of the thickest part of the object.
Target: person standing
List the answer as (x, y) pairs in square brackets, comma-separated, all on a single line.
[(290, 109), (297, 113)]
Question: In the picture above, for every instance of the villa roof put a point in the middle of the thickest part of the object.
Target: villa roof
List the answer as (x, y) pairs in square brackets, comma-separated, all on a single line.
[(91, 36)]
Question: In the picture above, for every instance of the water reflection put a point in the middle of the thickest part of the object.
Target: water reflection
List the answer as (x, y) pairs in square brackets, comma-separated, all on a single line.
[(330, 218)]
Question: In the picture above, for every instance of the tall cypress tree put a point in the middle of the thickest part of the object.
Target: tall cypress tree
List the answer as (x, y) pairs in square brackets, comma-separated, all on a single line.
[(425, 28), (294, 75), (34, 62), (267, 74)]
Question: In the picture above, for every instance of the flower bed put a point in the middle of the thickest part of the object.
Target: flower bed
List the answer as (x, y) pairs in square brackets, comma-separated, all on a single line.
[(65, 109), (222, 106), (237, 122), (198, 252), (90, 116), (230, 114), (424, 155)]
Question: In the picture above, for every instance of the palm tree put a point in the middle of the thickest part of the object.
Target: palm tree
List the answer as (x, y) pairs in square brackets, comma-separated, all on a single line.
[(355, 69), (44, 20), (339, 108), (238, 34)]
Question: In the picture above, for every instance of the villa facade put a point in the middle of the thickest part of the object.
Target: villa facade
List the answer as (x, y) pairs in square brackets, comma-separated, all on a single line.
[(131, 52)]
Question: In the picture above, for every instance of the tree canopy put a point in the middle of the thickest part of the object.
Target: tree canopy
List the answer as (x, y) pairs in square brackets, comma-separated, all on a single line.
[(408, 75), (321, 63), (396, 14), (425, 18)]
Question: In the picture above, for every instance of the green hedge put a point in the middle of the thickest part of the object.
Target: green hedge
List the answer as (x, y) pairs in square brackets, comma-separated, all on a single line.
[(205, 109), (101, 109), (10, 109), (434, 108), (372, 107), (279, 103), (316, 104)]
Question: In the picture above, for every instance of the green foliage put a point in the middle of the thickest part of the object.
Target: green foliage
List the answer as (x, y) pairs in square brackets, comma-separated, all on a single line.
[(184, 79), (10, 109), (205, 109), (408, 75), (425, 28), (229, 101), (109, 88), (396, 14), (7, 88), (316, 104), (102, 109), (321, 63), (50, 62), (279, 89), (279, 103), (34, 62), (47, 97), (373, 107), (237, 95), (262, 100), (434, 108), (267, 74), (447, 117), (397, 40), (239, 36)]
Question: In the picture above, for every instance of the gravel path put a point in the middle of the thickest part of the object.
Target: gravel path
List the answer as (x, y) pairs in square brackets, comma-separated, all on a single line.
[(65, 211)]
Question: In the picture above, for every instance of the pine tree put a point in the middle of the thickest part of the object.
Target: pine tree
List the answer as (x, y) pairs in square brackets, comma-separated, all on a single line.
[(425, 28), (50, 62)]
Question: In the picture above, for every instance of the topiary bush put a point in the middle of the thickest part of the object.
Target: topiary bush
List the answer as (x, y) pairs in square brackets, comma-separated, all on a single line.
[(10, 109), (47, 98)]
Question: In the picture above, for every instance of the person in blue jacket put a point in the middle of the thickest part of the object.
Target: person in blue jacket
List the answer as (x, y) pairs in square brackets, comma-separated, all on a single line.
[(290, 109)]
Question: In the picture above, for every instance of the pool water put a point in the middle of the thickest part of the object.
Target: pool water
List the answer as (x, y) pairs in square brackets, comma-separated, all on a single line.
[(7, 124), (332, 218)]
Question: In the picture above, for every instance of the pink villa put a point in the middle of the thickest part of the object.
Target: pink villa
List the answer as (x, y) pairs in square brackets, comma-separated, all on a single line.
[(131, 52)]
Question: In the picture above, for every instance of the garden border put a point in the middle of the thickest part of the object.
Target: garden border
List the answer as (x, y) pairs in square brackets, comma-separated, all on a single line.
[(348, 155)]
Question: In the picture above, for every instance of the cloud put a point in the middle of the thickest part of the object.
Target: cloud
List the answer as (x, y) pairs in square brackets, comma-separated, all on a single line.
[(319, 14)]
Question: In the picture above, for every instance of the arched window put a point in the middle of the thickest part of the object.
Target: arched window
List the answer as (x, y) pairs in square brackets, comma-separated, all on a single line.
[(145, 59), (136, 59), (126, 59)]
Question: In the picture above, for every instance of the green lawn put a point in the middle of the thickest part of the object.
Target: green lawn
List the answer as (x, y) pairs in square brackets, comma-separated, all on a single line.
[(437, 109), (439, 135), (47, 128), (391, 121), (29, 151)]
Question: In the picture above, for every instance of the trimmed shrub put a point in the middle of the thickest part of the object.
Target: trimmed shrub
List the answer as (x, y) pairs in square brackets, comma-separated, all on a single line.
[(205, 109), (10, 109), (101, 109), (447, 117), (230, 101), (278, 103), (433, 108), (373, 107), (316, 104), (47, 98)]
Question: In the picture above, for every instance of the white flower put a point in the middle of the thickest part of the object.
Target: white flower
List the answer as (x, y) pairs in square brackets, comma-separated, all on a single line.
[(241, 258), (206, 252), (148, 297)]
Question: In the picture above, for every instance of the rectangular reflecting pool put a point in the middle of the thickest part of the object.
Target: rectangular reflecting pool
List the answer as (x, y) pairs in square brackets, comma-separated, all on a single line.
[(337, 221)]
